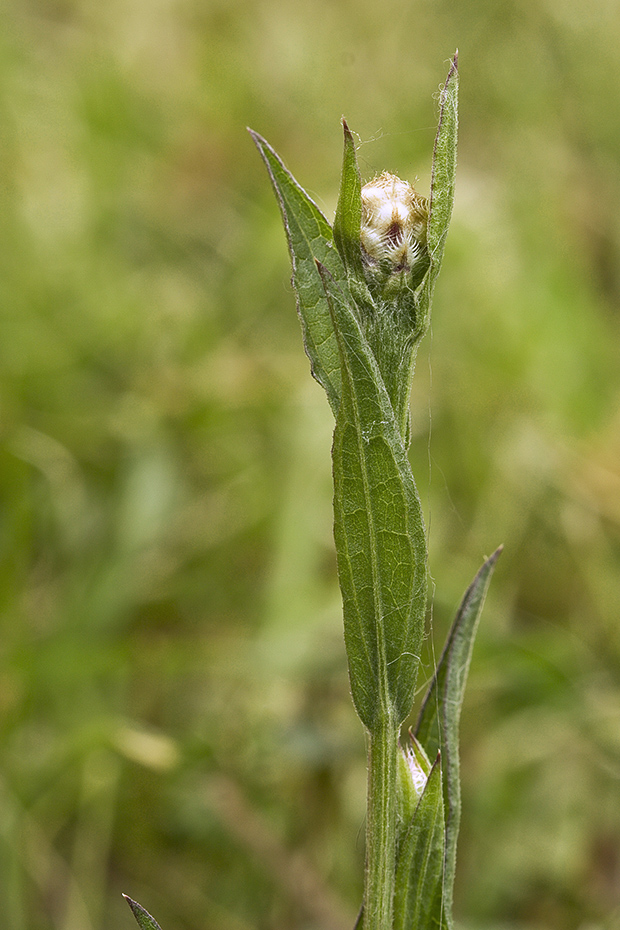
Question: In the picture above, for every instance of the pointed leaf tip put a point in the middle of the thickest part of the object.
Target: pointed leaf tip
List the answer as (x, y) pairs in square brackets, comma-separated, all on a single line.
[(454, 67), (143, 918), (309, 237), (438, 724), (348, 135)]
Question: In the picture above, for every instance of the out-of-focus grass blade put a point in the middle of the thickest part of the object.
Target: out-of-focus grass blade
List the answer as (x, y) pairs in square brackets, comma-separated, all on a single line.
[(145, 921), (437, 728), (379, 532), (310, 239), (418, 898)]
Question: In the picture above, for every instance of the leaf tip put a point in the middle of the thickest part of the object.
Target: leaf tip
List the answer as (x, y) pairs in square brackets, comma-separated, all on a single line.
[(256, 138), (348, 135), (143, 918), (454, 69), (135, 907)]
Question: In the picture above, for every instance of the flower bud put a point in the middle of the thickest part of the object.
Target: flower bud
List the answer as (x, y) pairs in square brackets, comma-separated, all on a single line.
[(417, 773), (394, 217), (413, 771)]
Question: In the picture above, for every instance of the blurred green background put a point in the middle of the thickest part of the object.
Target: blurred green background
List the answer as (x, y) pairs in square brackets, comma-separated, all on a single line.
[(174, 712)]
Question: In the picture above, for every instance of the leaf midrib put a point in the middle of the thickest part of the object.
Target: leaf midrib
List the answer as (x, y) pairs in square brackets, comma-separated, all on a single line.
[(386, 705)]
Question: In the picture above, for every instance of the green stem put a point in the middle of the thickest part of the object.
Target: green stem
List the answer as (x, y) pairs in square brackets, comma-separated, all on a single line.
[(381, 826)]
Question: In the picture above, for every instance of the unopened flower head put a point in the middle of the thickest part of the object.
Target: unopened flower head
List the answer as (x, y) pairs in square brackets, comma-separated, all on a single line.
[(394, 218), (412, 776), (416, 772)]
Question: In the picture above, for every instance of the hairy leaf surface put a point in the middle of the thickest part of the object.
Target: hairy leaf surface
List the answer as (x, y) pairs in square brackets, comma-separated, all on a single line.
[(144, 919), (347, 223), (437, 728), (310, 239), (418, 900), (442, 187), (379, 532)]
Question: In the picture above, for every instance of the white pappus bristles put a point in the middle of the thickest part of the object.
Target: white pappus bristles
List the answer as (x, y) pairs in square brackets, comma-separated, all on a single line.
[(394, 220), (416, 772)]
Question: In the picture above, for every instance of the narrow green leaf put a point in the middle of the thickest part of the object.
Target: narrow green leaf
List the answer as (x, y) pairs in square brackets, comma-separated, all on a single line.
[(444, 167), (442, 187), (145, 921), (348, 220), (438, 724), (418, 897), (379, 532), (310, 239)]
